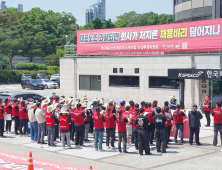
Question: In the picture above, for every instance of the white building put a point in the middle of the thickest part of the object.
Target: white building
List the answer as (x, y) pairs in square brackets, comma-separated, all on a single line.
[(141, 78), (96, 10)]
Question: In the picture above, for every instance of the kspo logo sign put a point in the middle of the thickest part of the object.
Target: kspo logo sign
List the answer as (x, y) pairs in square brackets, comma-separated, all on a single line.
[(198, 74)]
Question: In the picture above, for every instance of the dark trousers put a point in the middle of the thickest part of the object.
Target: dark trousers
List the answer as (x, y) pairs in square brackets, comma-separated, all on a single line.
[(8, 125), (17, 124), (135, 134), (160, 139), (91, 126), (195, 131), (24, 125), (133, 137), (56, 132), (110, 133), (216, 129), (2, 124), (79, 135), (143, 137), (207, 114), (151, 128), (122, 135), (168, 129), (72, 131)]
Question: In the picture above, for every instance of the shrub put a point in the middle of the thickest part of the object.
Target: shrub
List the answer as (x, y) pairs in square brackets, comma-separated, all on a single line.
[(41, 66), (30, 66), (54, 68), (21, 66)]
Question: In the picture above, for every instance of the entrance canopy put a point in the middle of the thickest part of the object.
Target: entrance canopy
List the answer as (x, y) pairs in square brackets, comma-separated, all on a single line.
[(191, 73)]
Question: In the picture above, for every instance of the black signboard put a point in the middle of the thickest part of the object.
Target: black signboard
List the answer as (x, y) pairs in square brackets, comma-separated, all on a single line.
[(213, 74)]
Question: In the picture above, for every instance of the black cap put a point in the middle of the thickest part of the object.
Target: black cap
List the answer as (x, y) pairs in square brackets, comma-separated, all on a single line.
[(137, 105), (149, 104), (127, 108), (194, 106), (142, 102), (141, 110)]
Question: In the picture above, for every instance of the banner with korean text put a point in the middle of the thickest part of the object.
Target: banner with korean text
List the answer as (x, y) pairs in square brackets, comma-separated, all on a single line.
[(202, 35)]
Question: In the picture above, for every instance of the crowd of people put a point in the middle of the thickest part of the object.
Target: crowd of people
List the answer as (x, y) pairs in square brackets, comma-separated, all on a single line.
[(72, 120)]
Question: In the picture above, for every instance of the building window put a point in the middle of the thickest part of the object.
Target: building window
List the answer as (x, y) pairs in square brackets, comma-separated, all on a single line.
[(90, 82), (126, 81), (114, 70), (137, 70), (163, 82), (121, 70)]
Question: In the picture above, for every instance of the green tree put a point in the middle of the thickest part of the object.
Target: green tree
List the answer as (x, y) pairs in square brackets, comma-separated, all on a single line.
[(122, 24), (5, 62), (60, 52), (165, 19), (52, 59), (129, 16), (108, 24), (88, 26), (97, 23)]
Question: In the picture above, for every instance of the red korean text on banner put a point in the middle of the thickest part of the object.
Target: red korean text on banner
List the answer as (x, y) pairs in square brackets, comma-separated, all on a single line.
[(202, 35)]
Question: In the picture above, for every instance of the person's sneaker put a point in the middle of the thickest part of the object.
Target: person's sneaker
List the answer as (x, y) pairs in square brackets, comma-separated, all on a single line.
[(38, 142), (20, 135), (101, 150), (149, 153), (54, 145), (206, 125), (128, 144), (198, 144), (96, 149), (17, 134), (125, 152), (137, 148), (115, 140), (43, 143), (214, 145), (120, 151), (80, 146), (87, 140), (69, 147), (107, 147), (114, 148), (49, 144), (176, 141), (76, 146)]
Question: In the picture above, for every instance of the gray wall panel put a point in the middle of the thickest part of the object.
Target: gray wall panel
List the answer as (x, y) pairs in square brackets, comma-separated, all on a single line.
[(208, 10), (187, 14), (197, 12)]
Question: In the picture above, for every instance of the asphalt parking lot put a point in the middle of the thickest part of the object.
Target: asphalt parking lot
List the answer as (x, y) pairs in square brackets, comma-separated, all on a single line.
[(18, 88)]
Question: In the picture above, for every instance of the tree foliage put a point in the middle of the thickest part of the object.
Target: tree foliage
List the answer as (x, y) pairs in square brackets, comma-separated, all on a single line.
[(52, 59)]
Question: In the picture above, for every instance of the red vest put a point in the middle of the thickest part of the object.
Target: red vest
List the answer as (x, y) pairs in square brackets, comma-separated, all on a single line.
[(22, 114), (1, 115), (123, 109), (15, 111), (98, 122), (168, 122), (122, 127), (110, 122), (7, 110), (149, 114), (72, 114), (49, 120), (78, 119), (217, 115), (206, 108), (133, 121), (179, 118), (64, 124)]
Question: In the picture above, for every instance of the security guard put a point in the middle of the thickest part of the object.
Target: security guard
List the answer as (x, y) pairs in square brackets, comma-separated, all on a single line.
[(142, 122)]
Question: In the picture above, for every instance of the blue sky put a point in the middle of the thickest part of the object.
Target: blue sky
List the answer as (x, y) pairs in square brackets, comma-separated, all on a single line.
[(113, 7)]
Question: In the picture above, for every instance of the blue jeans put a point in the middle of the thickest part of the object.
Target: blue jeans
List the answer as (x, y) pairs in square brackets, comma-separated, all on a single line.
[(98, 135), (34, 130), (177, 127)]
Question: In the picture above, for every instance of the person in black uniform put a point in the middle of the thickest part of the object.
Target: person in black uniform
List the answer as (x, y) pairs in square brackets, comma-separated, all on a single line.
[(2, 114), (160, 132), (142, 122)]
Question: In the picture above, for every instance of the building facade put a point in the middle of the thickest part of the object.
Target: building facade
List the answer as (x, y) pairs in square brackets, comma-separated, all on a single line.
[(141, 78), (96, 10), (3, 6), (193, 10)]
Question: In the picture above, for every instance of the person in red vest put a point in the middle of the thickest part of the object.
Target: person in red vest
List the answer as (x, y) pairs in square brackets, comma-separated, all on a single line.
[(149, 113), (154, 104), (57, 99), (122, 106), (110, 119), (217, 114), (99, 121), (2, 114), (73, 109), (8, 110), (135, 128), (50, 123), (122, 121), (178, 117), (15, 112), (23, 116), (79, 117), (143, 104), (64, 121), (129, 129), (168, 123), (207, 109)]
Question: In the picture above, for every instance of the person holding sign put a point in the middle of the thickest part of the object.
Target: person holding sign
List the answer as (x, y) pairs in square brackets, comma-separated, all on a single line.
[(2, 114)]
